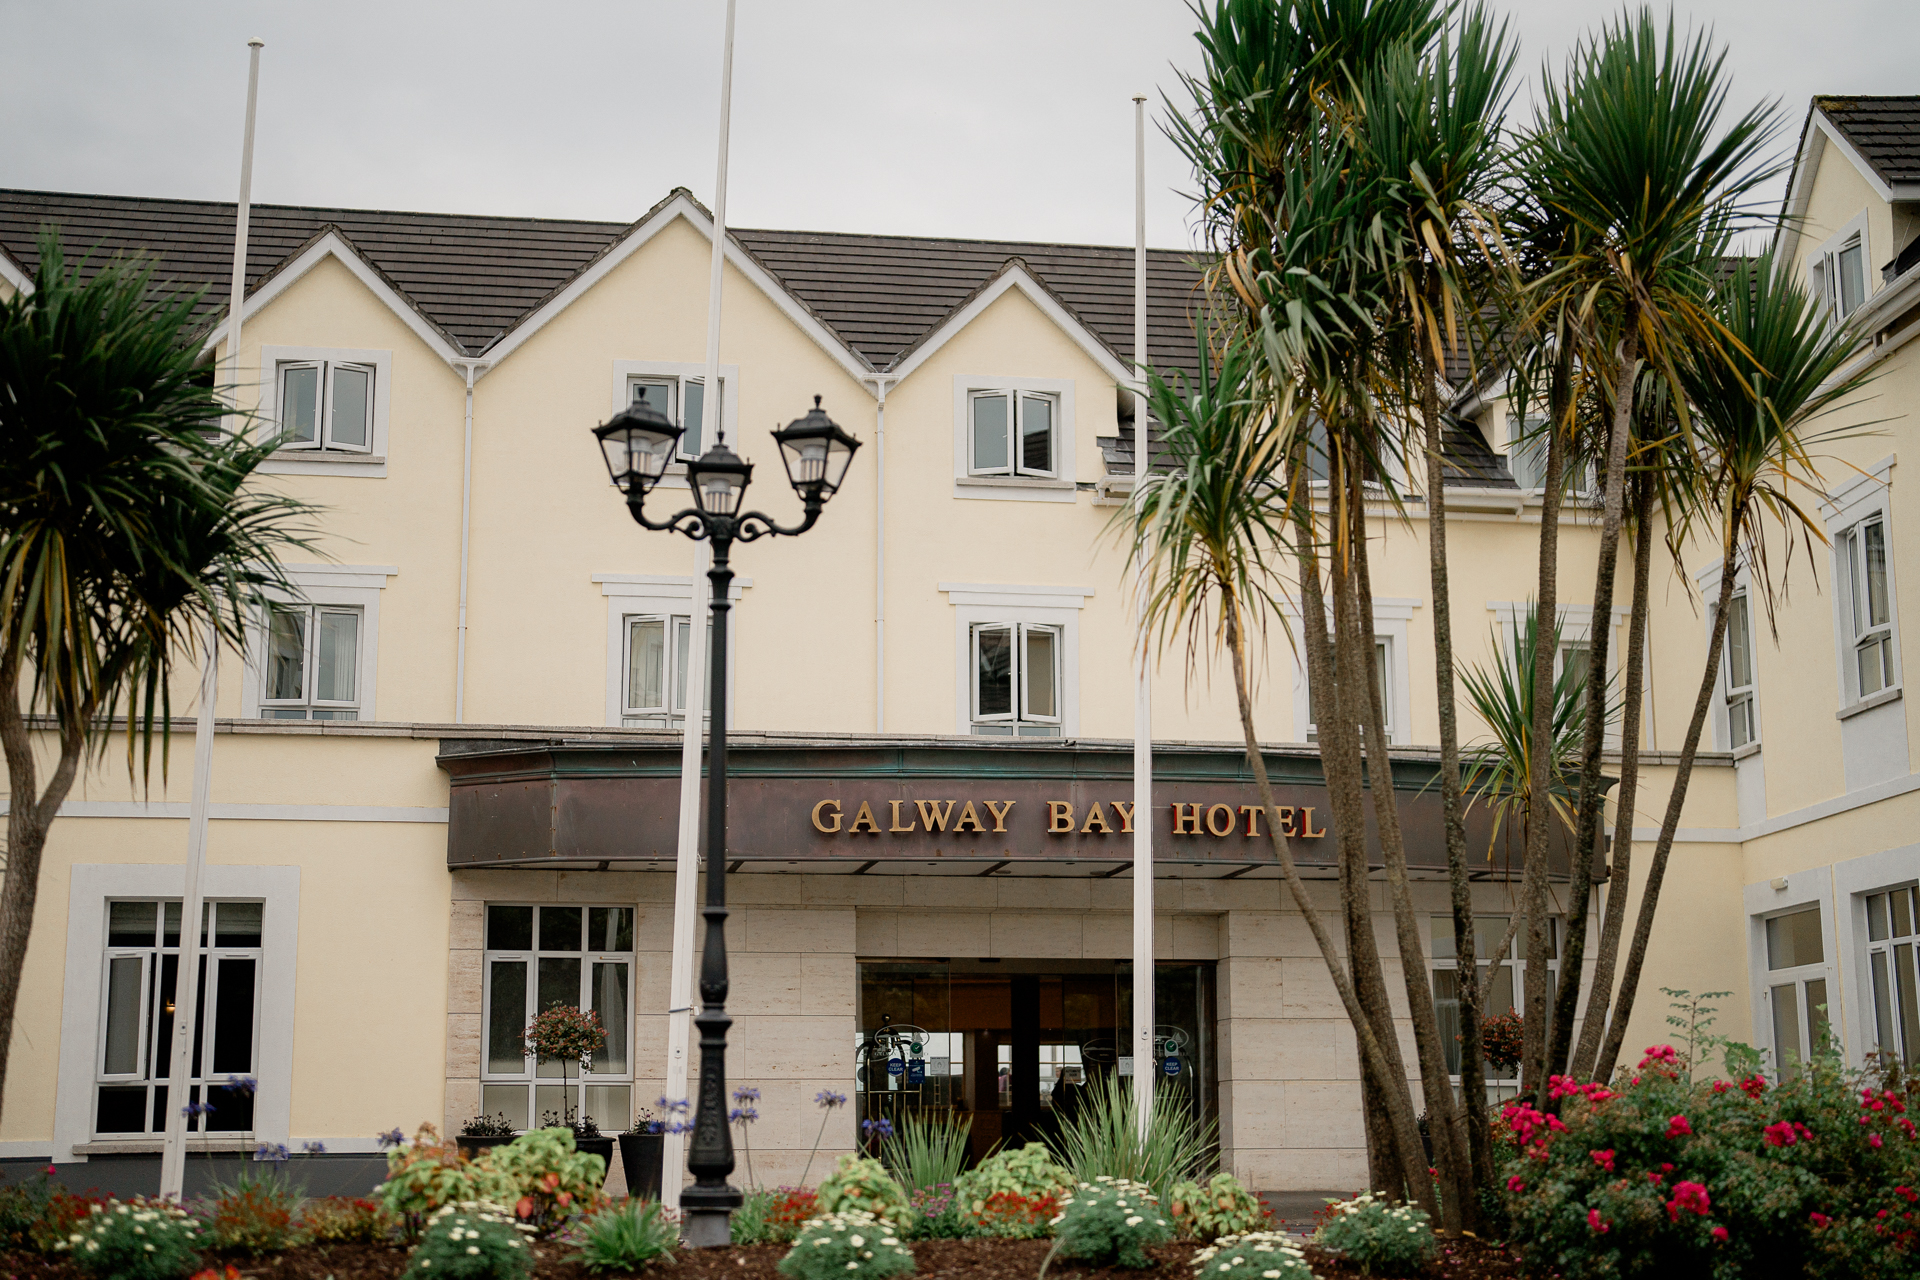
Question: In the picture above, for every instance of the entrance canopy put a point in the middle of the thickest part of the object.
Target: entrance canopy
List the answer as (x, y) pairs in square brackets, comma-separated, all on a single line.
[(927, 806)]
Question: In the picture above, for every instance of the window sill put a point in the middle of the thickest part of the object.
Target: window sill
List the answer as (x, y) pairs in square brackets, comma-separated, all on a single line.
[(1742, 753), (1879, 699), (1016, 488), (324, 462), (153, 1146)]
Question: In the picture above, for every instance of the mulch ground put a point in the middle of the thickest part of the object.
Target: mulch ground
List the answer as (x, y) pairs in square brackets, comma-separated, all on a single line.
[(1464, 1259)]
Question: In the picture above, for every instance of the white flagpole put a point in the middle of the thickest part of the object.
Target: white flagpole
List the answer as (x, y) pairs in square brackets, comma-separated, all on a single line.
[(687, 866), (1144, 1067), (186, 984)]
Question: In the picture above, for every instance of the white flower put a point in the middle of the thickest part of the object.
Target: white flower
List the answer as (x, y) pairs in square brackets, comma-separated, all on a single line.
[(856, 1241), (1270, 1275), (1134, 1221), (473, 1248), (853, 1266)]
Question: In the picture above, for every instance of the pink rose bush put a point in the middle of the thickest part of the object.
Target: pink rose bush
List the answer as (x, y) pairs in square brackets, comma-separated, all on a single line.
[(1659, 1175)]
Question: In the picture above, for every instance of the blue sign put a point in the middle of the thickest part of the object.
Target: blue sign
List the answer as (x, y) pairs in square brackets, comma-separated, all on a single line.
[(895, 1066), (1171, 1066), (917, 1071)]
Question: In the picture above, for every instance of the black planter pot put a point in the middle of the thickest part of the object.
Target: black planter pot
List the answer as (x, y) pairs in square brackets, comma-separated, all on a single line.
[(602, 1147), (471, 1146), (641, 1155)]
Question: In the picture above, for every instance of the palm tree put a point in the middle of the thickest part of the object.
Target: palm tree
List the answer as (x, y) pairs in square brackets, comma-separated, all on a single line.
[(126, 529), (1755, 457), (1630, 152)]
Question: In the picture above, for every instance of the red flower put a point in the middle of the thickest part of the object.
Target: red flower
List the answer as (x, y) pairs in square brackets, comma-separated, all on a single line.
[(1594, 1222), (1819, 1219), (1516, 1183), (1603, 1158), (1719, 1233), (1907, 1193), (1688, 1196), (1873, 1140), (1780, 1135), (1721, 1086), (1754, 1085), (1678, 1126)]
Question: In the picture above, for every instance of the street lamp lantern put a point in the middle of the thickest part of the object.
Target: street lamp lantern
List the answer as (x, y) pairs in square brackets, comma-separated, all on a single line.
[(817, 453), (638, 444)]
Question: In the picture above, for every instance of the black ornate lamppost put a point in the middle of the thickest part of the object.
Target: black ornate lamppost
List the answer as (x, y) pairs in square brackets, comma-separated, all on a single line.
[(638, 444)]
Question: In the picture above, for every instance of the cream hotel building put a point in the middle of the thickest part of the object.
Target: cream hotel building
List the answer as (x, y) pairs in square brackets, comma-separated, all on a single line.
[(445, 782)]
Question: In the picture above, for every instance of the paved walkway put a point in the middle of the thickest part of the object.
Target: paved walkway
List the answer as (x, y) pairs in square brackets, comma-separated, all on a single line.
[(1294, 1210)]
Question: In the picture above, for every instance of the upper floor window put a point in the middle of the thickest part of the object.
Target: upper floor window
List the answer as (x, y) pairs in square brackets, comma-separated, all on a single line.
[(1017, 679), (1383, 672), (326, 404), (312, 663), (1867, 608), (1742, 728), (1527, 451), (1839, 269), (681, 399), (1013, 433), (656, 670), (1796, 987), (1893, 965)]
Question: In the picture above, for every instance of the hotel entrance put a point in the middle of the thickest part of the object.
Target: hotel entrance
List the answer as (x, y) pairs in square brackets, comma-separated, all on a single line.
[(1014, 1044)]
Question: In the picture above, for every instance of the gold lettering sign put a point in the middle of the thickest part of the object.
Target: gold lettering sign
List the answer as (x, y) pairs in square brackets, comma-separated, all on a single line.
[(821, 808), (911, 817)]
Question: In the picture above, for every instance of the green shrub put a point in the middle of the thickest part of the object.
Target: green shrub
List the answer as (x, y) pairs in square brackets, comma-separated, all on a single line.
[(1009, 1215), (773, 1217), (625, 1237), (344, 1220), (937, 1216), (23, 1207), (473, 1240), (551, 1180), (1030, 1173), (1110, 1220), (429, 1173), (254, 1214), (1815, 1177), (1257, 1255), (1379, 1237), (1224, 1207), (1102, 1139), (927, 1150), (137, 1240), (854, 1245), (863, 1183)]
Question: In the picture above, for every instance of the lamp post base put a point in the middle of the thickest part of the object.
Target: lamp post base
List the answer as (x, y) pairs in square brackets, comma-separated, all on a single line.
[(706, 1214)]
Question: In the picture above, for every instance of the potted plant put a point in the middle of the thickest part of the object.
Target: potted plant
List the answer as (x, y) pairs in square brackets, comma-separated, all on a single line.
[(484, 1131), (586, 1134), (643, 1147), (567, 1034)]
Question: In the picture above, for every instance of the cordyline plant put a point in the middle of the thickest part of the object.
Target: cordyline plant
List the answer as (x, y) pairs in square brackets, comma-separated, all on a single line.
[(128, 531)]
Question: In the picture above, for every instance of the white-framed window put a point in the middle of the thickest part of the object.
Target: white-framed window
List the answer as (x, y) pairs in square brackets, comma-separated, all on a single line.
[(1796, 984), (1392, 616), (1527, 450), (133, 1060), (315, 657), (649, 631), (681, 398), (1743, 725), (1507, 993), (655, 682), (1838, 269), (1893, 972), (1017, 679), (1383, 670), (1013, 438), (1867, 607), (540, 957), (327, 408)]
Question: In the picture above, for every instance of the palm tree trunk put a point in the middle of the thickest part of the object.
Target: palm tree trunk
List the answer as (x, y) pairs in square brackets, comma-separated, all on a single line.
[(1626, 801), (1599, 640), (1473, 1084), (1657, 869), (1399, 1106), (1436, 1083), (1533, 875), (30, 814)]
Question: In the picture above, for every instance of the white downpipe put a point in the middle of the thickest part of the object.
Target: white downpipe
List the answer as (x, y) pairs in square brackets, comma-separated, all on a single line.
[(186, 984), (1144, 1066), (880, 387), (466, 530), (687, 859)]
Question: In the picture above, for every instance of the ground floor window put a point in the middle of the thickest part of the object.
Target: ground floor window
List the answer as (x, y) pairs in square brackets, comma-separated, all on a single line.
[(1796, 984), (133, 1062), (538, 957), (1505, 995), (1893, 970)]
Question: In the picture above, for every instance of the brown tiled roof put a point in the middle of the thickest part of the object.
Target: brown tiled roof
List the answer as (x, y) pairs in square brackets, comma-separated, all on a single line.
[(1884, 130)]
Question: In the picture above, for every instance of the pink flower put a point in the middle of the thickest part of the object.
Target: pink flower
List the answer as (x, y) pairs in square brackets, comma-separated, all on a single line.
[(1516, 1183), (1780, 1135), (1719, 1233), (1688, 1196), (1721, 1086), (1603, 1158), (1594, 1222), (1873, 1140), (1678, 1126), (1819, 1219), (1754, 1085)]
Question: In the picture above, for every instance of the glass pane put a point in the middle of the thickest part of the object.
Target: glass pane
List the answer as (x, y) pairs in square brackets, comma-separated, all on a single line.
[(506, 1017), (551, 1103), (559, 985), (160, 1042), (990, 433), (1739, 652), (287, 654), (1853, 280), (657, 396), (1041, 694), (232, 1110), (1882, 1004), (1740, 722), (1909, 1002), (1576, 659), (696, 420), (1440, 932), (993, 679), (610, 1002), (646, 663), (610, 929), (507, 1100), (560, 931), (1487, 932), (124, 974), (130, 924), (1794, 940), (1786, 1030), (682, 634), (352, 390), (1500, 999), (233, 1018), (237, 924), (1036, 434), (338, 658), (1872, 666), (1817, 1030), (300, 403), (610, 1105), (121, 1109), (1446, 1004), (510, 929), (170, 929), (1902, 913), (1873, 541)]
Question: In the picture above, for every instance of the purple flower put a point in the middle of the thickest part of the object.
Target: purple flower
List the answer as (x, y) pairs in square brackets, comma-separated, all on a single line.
[(314, 1148), (270, 1151), (391, 1138), (674, 1108), (193, 1109), (243, 1084), (742, 1115), (877, 1128), (744, 1094), (828, 1099)]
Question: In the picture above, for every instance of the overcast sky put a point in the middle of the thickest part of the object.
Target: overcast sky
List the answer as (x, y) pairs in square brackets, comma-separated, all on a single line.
[(986, 118)]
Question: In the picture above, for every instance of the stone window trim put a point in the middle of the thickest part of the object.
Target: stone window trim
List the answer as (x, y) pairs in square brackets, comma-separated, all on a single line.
[(1846, 512), (627, 372), (1853, 882), (1059, 487), (630, 595), (1392, 625), (976, 604), (1784, 896), (349, 586), (1840, 272), (1708, 583), (90, 888), (370, 463)]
